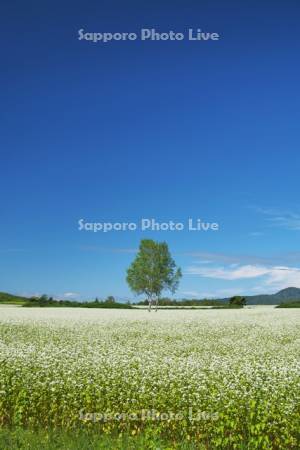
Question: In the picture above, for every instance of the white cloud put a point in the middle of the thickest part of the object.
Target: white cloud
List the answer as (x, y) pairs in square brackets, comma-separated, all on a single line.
[(273, 277), (70, 294), (282, 277)]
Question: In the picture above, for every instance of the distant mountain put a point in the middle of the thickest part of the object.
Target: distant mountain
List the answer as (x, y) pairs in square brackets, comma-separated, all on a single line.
[(288, 293), (283, 296)]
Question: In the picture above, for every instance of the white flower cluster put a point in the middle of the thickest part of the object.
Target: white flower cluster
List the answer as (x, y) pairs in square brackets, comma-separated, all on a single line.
[(241, 365)]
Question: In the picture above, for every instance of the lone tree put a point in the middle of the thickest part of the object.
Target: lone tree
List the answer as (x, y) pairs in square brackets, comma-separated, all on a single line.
[(153, 271), (237, 301)]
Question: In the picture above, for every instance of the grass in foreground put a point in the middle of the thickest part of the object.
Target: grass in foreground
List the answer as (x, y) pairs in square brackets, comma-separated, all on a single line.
[(19, 438)]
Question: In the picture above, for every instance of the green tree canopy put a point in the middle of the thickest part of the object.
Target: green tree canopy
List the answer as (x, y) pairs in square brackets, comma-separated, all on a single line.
[(238, 300), (153, 270)]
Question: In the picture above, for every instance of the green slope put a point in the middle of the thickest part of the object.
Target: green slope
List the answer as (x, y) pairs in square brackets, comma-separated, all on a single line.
[(9, 299)]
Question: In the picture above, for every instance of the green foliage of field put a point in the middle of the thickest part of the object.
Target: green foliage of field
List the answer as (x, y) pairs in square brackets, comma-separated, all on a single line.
[(238, 371), (83, 439)]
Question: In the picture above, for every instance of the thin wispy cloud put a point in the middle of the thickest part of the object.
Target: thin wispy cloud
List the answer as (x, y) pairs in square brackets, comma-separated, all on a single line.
[(216, 293), (280, 218), (283, 259), (228, 273), (226, 292), (70, 294), (194, 294), (202, 257)]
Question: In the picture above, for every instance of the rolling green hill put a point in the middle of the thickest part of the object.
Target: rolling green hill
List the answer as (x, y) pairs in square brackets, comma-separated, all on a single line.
[(9, 299)]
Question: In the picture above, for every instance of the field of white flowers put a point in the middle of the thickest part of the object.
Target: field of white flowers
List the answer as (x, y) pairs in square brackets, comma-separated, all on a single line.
[(225, 379)]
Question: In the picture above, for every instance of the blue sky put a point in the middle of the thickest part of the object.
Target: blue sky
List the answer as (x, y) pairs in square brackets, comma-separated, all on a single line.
[(121, 131)]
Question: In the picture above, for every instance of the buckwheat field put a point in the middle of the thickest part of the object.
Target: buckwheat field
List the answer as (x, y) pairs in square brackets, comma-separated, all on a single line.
[(222, 379)]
